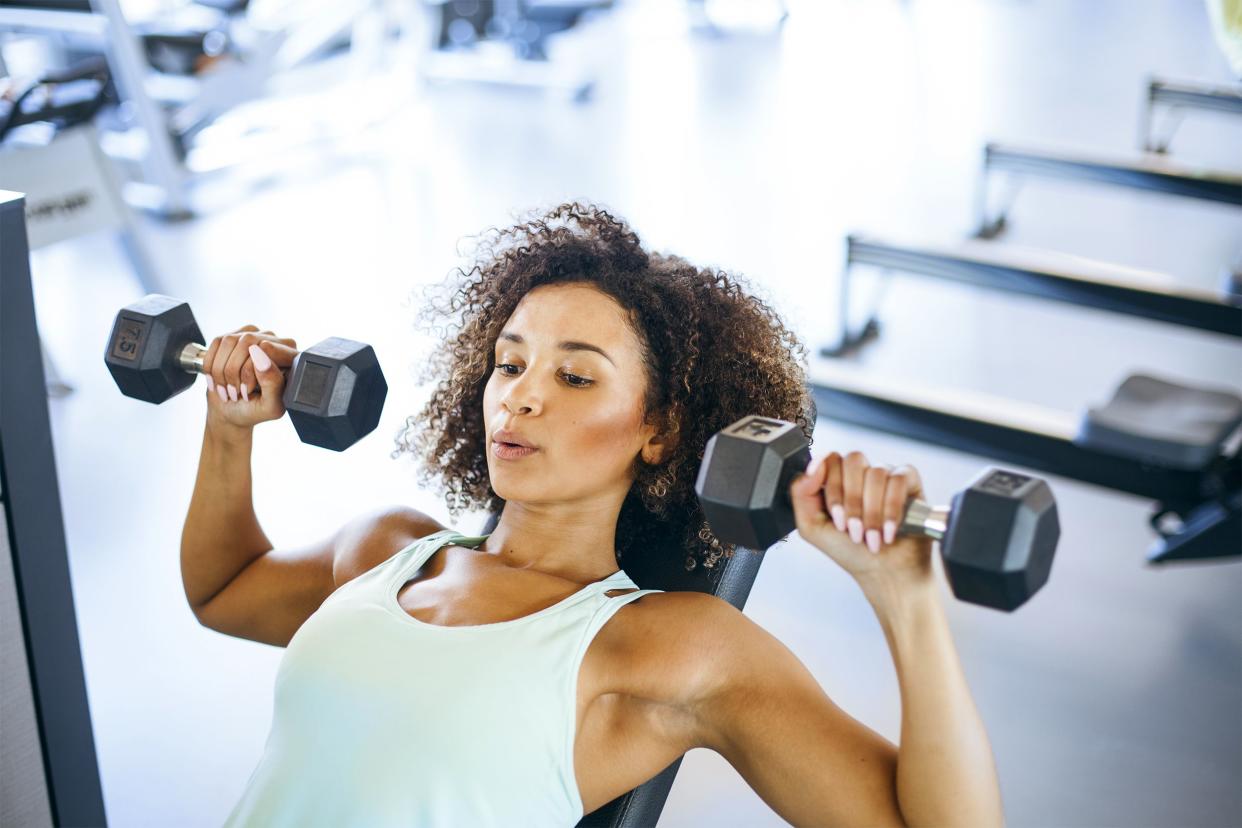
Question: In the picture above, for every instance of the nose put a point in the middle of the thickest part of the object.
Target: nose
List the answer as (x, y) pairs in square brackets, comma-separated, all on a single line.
[(522, 396)]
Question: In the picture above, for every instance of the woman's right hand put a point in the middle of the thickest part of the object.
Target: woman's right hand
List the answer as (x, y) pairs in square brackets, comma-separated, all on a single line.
[(246, 376)]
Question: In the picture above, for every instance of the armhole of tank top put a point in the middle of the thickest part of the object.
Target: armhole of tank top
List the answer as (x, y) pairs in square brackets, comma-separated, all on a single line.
[(601, 616)]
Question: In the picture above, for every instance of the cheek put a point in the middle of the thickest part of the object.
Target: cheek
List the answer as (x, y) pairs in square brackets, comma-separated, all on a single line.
[(607, 434)]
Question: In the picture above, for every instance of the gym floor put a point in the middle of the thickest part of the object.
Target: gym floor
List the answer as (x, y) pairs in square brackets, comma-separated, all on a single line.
[(1113, 699)]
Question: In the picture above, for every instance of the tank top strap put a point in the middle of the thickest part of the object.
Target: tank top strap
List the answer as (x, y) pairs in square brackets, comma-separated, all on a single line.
[(416, 554), (409, 559), (604, 606)]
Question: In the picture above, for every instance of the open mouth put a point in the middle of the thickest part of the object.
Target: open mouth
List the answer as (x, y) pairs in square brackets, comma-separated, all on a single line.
[(510, 451)]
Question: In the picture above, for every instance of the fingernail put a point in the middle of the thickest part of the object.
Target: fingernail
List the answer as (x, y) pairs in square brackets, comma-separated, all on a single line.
[(856, 530), (873, 540), (890, 531), (245, 392), (838, 517), (223, 396), (232, 393), (260, 359), (211, 384)]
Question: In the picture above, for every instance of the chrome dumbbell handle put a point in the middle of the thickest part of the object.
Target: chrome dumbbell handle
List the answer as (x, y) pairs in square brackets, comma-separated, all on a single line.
[(924, 519), (190, 358)]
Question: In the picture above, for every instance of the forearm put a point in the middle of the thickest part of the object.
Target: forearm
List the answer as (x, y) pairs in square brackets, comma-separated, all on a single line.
[(221, 536), (946, 774)]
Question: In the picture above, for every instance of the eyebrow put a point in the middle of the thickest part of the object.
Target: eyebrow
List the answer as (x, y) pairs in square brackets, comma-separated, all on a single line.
[(564, 346)]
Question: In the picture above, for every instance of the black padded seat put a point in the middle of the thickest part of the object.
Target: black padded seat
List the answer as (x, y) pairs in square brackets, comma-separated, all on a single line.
[(664, 569), (1157, 420)]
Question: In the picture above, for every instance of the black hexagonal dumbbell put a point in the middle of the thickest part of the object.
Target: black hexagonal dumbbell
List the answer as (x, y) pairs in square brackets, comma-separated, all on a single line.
[(334, 391), (997, 539)]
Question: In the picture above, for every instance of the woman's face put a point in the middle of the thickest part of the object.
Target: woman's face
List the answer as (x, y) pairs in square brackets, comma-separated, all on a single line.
[(579, 407)]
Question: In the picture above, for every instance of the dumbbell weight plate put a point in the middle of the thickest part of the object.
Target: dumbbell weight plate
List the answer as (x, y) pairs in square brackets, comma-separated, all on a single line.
[(752, 464), (335, 393), (1001, 538), (142, 350)]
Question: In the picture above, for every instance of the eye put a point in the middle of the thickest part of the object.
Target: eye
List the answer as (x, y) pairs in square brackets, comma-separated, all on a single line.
[(577, 381), (573, 379)]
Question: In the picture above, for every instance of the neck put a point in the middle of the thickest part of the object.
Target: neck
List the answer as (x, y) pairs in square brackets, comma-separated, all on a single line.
[(565, 540)]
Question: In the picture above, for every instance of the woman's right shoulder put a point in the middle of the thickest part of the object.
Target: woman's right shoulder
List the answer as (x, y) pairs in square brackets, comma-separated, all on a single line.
[(379, 535)]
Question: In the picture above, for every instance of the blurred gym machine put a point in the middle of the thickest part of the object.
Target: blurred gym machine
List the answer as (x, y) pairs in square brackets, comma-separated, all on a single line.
[(1058, 276), (49, 773), (76, 24), (1156, 437), (1044, 274), (177, 73), (534, 44), (1174, 99), (1154, 172), (49, 149)]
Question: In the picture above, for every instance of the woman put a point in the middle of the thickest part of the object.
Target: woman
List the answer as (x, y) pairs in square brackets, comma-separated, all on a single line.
[(521, 678)]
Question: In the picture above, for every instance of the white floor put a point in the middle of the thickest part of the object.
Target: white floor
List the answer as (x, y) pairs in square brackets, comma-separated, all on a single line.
[(1113, 699)]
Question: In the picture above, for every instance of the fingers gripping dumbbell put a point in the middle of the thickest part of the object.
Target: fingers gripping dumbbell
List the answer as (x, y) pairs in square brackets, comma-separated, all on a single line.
[(334, 391), (997, 538)]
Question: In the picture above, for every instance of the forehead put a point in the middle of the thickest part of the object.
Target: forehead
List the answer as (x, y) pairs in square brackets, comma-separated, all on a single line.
[(572, 312)]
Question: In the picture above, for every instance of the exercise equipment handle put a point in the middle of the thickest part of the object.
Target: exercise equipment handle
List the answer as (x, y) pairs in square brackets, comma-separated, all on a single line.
[(191, 357)]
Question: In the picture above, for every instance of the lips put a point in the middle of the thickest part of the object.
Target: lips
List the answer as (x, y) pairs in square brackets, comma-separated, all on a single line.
[(512, 437)]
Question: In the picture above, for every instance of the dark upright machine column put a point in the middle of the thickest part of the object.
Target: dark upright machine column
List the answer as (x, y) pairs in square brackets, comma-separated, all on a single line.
[(49, 774)]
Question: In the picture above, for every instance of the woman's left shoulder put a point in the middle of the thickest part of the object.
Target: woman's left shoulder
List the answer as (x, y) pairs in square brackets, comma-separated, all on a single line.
[(667, 617), (684, 606), (666, 643)]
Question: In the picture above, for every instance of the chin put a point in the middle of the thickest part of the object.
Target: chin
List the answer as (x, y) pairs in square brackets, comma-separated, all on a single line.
[(503, 490), (510, 493)]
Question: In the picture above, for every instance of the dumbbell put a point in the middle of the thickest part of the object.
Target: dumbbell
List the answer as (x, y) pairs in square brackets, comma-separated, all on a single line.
[(997, 539), (334, 391)]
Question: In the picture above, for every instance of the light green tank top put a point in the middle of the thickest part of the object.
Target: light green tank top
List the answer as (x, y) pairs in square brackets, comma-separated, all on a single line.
[(380, 719)]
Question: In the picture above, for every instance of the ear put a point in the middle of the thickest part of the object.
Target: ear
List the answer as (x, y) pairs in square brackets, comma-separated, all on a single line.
[(657, 449)]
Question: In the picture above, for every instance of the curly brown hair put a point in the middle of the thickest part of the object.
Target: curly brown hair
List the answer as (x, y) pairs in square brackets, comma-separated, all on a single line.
[(714, 353)]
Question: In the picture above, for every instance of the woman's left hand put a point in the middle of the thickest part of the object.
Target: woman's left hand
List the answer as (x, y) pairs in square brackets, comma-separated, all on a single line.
[(851, 511)]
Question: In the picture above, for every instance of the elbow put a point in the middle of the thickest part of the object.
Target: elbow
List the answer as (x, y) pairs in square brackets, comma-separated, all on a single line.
[(199, 616), (978, 809), (202, 614)]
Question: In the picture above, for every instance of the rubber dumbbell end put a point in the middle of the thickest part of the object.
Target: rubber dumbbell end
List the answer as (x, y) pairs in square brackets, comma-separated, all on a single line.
[(143, 352), (1001, 538), (744, 478), (335, 393)]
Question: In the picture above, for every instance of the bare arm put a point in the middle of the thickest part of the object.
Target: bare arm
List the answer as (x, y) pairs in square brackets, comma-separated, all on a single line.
[(221, 536), (946, 774), (234, 580), (762, 710), (758, 706), (237, 584)]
